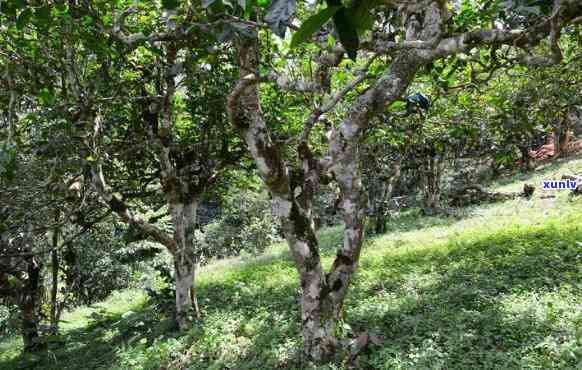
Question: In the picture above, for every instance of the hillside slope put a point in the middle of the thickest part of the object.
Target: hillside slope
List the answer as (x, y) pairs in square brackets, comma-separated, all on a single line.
[(499, 286)]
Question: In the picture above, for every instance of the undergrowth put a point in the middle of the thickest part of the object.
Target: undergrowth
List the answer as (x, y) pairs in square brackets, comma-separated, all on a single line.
[(495, 287)]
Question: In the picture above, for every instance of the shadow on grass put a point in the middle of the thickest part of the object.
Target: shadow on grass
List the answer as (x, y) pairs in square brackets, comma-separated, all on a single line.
[(413, 219), (406, 221), (95, 345), (499, 302), (502, 301)]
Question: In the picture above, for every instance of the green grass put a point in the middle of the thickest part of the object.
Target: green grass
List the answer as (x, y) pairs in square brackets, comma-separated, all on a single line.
[(498, 286)]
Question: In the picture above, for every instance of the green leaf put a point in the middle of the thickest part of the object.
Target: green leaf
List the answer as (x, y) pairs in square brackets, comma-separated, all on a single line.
[(398, 105), (331, 41), (45, 96), (170, 4), (312, 25), (19, 3), (359, 13), (23, 18), (43, 16), (347, 33), (87, 20), (263, 3)]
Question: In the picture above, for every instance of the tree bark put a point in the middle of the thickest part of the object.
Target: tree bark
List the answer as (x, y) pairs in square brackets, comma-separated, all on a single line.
[(323, 294), (380, 191), (180, 189), (562, 136), (54, 290), (526, 160), (184, 220), (292, 204), (432, 171), (54, 318), (29, 306)]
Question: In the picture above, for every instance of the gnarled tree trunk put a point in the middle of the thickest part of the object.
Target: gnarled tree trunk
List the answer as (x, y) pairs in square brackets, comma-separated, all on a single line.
[(181, 188), (184, 220), (323, 294)]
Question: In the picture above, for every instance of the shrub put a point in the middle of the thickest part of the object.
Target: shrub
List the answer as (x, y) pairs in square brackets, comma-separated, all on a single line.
[(245, 225)]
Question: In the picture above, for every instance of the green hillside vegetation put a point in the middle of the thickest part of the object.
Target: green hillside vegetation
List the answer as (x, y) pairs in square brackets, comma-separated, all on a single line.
[(497, 285)]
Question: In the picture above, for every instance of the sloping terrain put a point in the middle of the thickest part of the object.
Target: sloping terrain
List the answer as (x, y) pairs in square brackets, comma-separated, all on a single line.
[(497, 287)]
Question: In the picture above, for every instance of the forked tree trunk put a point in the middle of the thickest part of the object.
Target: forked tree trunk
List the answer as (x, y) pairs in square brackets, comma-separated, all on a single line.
[(181, 245), (316, 307), (323, 294)]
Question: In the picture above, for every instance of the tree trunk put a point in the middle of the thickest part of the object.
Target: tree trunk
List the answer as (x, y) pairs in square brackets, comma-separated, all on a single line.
[(322, 294), (432, 172), (316, 314), (54, 291), (377, 193), (55, 280), (380, 191), (29, 306), (186, 307), (184, 220), (380, 223), (526, 162), (562, 137)]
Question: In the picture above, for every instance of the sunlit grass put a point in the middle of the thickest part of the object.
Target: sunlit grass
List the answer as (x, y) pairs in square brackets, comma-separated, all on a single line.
[(495, 286)]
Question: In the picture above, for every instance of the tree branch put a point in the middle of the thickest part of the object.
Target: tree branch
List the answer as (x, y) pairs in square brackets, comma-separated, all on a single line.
[(334, 100), (117, 205), (568, 12)]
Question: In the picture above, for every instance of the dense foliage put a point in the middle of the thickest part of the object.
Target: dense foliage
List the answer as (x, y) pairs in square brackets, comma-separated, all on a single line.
[(141, 143)]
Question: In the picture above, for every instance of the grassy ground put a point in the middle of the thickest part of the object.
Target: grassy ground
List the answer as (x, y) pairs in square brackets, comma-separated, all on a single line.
[(496, 287)]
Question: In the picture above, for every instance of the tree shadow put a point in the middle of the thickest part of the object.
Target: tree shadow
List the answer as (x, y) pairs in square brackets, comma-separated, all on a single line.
[(407, 221), (95, 345), (501, 301), (413, 219), (497, 302), (482, 303)]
